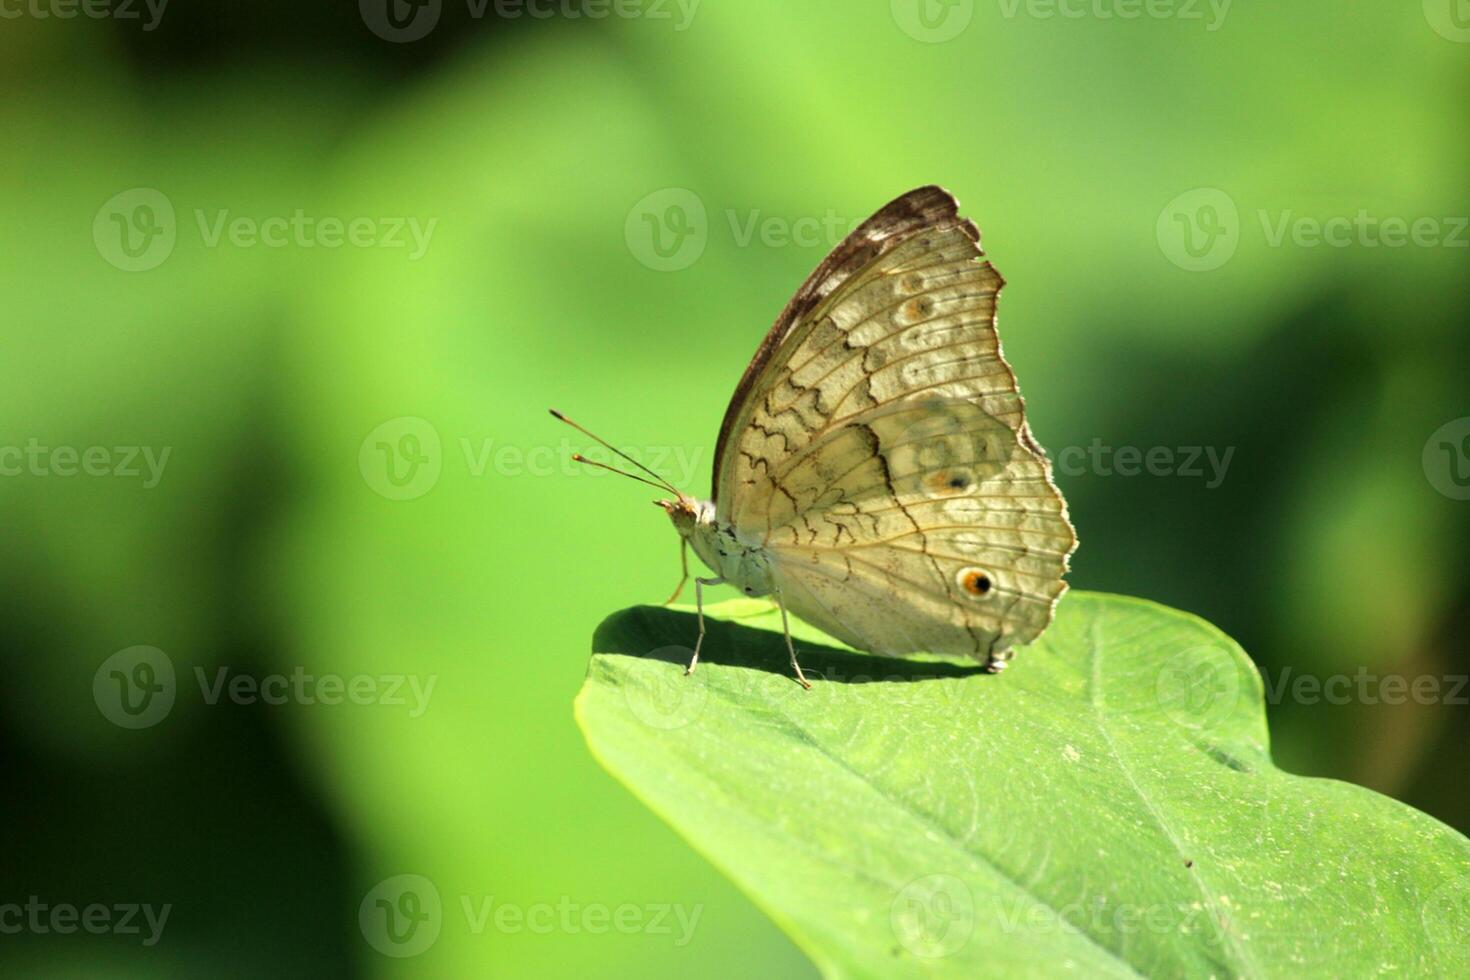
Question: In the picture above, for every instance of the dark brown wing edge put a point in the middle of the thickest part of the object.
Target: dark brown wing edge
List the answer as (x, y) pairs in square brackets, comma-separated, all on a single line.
[(922, 207)]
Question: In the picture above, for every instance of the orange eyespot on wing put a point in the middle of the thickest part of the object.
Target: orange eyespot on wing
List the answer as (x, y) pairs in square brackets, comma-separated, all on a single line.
[(949, 482), (976, 582)]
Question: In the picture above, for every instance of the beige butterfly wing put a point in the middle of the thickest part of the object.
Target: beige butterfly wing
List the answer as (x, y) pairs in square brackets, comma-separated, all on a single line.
[(877, 448)]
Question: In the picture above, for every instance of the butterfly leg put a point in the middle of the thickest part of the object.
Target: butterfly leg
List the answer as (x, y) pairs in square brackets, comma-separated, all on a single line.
[(684, 567), (699, 584), (786, 628)]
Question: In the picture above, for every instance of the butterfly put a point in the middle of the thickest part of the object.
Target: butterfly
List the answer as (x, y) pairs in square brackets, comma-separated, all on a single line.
[(874, 472)]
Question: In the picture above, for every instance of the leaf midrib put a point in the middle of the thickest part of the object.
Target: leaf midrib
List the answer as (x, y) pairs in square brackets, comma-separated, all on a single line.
[(1094, 694)]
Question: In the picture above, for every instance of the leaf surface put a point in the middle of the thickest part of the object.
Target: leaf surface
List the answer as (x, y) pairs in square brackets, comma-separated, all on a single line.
[(1105, 807)]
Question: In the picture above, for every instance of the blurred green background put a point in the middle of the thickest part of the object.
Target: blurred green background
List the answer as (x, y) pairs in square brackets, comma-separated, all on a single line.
[(362, 481)]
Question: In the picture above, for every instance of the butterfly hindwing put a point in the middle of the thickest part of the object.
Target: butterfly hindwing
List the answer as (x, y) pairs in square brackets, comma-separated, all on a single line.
[(923, 525), (878, 449)]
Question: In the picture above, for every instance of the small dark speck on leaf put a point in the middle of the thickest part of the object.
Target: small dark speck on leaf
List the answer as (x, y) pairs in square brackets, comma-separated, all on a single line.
[(1188, 863), (1226, 759)]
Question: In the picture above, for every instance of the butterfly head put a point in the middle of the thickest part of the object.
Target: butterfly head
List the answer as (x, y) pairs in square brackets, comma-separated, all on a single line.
[(686, 512)]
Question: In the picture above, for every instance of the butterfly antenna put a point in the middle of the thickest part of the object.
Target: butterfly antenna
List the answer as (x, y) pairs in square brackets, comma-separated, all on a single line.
[(657, 481), (579, 458)]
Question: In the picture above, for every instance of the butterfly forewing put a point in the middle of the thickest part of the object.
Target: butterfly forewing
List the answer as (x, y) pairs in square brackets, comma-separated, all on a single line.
[(877, 448)]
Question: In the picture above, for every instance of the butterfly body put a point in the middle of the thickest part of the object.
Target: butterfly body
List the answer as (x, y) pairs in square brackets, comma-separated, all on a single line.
[(741, 563)]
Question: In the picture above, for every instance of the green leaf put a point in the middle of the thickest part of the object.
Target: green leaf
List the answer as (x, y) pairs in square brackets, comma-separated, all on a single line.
[(1105, 807)]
